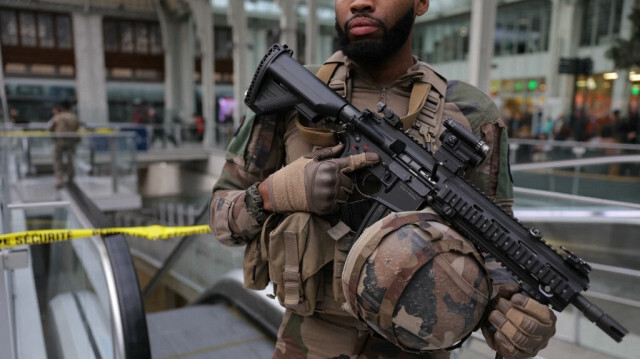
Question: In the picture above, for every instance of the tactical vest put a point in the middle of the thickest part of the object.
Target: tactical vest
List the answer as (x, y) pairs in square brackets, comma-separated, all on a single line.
[(424, 119), (304, 254)]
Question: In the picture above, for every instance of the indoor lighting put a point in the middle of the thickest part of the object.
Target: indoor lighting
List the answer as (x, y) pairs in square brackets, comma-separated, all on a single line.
[(610, 75), (634, 77)]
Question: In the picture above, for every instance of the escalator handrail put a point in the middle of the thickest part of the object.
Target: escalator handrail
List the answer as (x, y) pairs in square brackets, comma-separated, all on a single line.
[(580, 162), (132, 314), (573, 197), (572, 144)]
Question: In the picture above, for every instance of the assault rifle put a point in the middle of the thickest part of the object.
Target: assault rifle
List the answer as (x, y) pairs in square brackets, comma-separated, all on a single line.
[(412, 177)]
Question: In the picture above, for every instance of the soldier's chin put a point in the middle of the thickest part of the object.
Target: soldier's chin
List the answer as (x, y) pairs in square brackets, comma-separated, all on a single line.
[(366, 51)]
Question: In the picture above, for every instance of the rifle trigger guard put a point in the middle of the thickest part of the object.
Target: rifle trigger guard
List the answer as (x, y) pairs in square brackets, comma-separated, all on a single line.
[(367, 184)]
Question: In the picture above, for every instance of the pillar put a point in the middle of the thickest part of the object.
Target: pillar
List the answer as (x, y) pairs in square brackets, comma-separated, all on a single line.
[(483, 20), (203, 16), (311, 34), (565, 27), (91, 89), (179, 66), (622, 86), (288, 23), (238, 20)]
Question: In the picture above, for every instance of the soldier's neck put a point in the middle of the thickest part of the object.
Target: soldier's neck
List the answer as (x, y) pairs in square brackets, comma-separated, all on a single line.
[(389, 71)]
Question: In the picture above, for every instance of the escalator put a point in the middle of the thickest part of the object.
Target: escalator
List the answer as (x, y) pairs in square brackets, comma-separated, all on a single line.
[(85, 300), (225, 321), (82, 298)]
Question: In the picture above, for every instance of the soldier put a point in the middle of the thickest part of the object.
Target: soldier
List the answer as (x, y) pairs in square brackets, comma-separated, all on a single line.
[(285, 195), (64, 150)]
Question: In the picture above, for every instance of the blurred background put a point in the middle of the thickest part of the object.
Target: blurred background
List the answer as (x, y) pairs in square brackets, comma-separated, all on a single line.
[(158, 88), (549, 64)]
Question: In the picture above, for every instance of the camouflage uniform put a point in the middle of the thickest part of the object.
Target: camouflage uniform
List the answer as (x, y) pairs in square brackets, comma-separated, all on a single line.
[(263, 144), (65, 147)]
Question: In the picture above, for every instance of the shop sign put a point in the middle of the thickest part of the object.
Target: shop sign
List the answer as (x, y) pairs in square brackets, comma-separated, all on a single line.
[(575, 65)]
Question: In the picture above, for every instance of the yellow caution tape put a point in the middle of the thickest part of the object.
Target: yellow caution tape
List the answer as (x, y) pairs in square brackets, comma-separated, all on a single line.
[(60, 235)]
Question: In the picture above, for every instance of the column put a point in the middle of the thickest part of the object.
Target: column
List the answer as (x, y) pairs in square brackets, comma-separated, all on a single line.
[(179, 88), (91, 89), (288, 23), (311, 34), (622, 86), (203, 16), (564, 37), (483, 20), (238, 20), (258, 48)]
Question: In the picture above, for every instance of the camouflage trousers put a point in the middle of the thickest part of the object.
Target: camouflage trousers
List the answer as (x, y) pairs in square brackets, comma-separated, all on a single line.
[(63, 157), (333, 337)]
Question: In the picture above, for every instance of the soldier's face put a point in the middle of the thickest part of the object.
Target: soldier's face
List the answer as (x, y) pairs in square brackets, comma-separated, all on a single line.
[(371, 31)]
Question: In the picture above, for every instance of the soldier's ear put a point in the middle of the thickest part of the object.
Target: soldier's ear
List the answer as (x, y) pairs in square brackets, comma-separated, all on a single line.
[(421, 7)]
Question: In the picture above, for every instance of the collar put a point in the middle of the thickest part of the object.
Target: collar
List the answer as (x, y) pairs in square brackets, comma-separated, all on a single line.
[(419, 72)]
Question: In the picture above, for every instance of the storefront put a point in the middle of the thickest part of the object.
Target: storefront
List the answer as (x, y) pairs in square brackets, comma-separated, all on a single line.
[(594, 93), (521, 102)]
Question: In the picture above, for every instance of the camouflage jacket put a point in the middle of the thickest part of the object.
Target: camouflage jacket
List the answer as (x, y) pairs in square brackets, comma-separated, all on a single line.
[(263, 144), (64, 122)]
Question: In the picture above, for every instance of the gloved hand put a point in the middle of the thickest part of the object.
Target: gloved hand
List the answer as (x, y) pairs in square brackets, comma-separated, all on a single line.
[(316, 182), (518, 326)]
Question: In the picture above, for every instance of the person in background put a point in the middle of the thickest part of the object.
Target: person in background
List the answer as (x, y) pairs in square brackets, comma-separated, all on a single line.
[(159, 130), (199, 127), (629, 128), (64, 125), (16, 118)]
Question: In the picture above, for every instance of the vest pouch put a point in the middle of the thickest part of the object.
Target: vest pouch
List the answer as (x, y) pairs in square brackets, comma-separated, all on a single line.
[(255, 265), (299, 247), (343, 237)]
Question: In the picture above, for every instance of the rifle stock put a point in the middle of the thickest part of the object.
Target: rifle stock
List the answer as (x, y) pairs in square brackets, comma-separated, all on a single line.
[(412, 177)]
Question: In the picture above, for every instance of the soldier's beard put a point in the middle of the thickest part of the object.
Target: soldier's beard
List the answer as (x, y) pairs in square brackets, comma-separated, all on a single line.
[(377, 52)]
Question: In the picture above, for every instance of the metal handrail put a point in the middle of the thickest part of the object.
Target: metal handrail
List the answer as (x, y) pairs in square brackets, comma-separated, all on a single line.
[(572, 144), (127, 304), (576, 163), (117, 315), (51, 204), (573, 197)]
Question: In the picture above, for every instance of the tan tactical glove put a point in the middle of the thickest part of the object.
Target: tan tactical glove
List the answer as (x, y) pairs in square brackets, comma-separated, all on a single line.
[(518, 326), (316, 182)]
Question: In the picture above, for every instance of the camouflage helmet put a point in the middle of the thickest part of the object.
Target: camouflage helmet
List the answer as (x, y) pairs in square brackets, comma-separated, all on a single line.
[(416, 282)]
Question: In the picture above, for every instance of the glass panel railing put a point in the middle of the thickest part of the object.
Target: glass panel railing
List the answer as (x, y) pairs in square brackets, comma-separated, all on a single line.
[(604, 171), (596, 216), (62, 301), (104, 164), (70, 299), (529, 150), (176, 133)]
